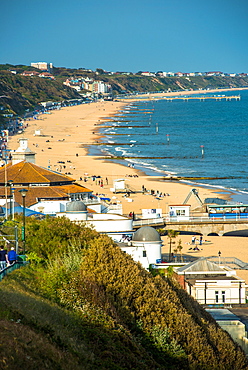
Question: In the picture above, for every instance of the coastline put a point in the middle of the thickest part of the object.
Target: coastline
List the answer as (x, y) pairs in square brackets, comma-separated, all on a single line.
[(182, 93), (67, 134)]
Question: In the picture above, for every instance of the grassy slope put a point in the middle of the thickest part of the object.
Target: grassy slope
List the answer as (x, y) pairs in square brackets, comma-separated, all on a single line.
[(108, 313), (37, 330)]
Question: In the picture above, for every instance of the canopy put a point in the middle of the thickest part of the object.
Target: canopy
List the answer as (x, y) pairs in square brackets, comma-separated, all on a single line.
[(19, 209)]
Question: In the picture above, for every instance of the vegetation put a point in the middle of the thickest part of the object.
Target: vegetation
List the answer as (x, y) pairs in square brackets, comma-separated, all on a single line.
[(22, 92), (171, 234), (82, 303)]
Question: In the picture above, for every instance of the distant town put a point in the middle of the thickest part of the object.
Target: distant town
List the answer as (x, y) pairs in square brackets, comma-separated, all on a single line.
[(100, 87)]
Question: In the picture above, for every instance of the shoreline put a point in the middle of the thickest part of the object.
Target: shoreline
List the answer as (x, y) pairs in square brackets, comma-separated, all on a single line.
[(95, 114), (64, 135), (231, 194)]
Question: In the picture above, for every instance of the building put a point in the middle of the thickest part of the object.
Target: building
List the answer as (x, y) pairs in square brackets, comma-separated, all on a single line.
[(48, 191), (231, 323), (145, 246), (114, 225), (179, 212), (30, 73), (211, 284), (23, 153), (44, 66)]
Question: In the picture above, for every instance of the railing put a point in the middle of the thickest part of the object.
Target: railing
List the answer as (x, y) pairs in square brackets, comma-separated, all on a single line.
[(229, 261), (166, 219), (149, 221), (206, 219), (9, 269)]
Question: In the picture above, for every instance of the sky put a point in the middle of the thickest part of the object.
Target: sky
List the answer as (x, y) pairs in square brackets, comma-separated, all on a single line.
[(130, 35)]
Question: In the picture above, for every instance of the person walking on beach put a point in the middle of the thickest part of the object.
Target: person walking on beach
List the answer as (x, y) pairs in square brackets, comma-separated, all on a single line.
[(3, 258), (12, 256)]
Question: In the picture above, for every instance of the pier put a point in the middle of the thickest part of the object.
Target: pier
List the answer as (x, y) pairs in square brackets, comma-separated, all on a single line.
[(203, 98), (149, 96)]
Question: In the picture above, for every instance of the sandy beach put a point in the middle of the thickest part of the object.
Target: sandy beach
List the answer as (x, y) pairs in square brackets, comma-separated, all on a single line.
[(66, 134)]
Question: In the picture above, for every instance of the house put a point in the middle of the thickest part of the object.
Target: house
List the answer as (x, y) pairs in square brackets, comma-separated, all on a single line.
[(30, 73), (211, 284), (149, 74), (46, 75)]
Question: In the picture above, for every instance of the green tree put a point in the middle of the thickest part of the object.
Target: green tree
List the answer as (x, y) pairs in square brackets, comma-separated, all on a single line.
[(171, 234), (54, 236), (179, 248)]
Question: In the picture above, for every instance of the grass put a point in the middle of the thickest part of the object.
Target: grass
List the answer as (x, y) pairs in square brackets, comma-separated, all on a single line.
[(39, 334)]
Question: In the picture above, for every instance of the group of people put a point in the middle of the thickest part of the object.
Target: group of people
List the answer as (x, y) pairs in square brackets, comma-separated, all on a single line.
[(7, 258)]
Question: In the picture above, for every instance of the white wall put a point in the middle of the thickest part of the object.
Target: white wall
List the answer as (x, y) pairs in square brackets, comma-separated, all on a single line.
[(73, 216), (237, 331), (153, 252), (112, 225), (179, 212), (50, 207), (230, 287)]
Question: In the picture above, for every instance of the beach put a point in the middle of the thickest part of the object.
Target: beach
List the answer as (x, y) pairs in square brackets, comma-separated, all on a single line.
[(65, 135)]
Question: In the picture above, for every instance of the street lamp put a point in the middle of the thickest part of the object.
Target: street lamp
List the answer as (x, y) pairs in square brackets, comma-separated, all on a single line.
[(23, 193), (10, 182), (219, 254)]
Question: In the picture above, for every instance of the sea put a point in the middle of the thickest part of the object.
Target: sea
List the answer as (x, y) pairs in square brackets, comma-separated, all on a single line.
[(204, 141)]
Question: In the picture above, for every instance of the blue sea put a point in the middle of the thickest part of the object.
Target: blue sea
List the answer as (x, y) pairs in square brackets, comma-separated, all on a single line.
[(185, 138)]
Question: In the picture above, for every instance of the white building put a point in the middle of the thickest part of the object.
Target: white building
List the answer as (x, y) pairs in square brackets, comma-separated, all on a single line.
[(114, 225), (210, 283), (44, 66), (145, 246), (179, 212), (23, 153)]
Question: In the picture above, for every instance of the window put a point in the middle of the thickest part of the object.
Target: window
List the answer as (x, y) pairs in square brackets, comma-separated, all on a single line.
[(144, 253), (223, 293), (216, 296), (180, 212)]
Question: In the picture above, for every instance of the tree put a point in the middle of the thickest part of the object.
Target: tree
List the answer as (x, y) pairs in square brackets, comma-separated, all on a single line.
[(179, 248), (171, 234)]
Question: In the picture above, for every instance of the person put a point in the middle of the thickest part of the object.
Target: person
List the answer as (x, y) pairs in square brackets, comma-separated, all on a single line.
[(193, 240), (200, 241), (3, 258), (12, 256)]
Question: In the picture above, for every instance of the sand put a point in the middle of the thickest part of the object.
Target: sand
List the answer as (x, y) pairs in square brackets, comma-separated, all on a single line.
[(66, 135)]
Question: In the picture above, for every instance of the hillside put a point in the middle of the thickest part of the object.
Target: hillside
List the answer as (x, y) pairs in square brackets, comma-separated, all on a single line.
[(137, 83), (84, 304), (22, 92)]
